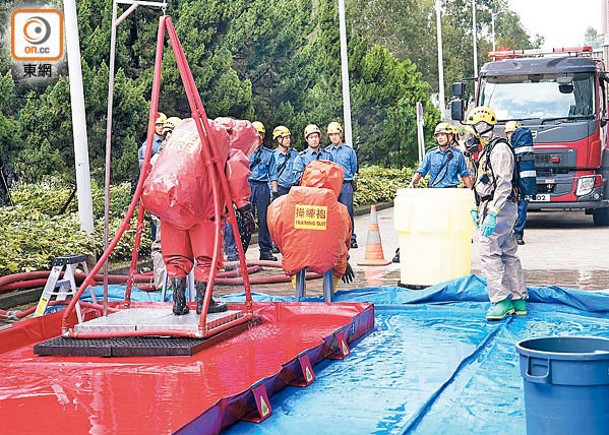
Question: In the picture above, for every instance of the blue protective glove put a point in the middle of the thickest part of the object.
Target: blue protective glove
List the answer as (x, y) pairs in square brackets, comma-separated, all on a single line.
[(475, 216), (489, 223)]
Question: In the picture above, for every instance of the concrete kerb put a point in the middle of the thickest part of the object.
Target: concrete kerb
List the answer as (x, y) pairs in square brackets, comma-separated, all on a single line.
[(365, 209)]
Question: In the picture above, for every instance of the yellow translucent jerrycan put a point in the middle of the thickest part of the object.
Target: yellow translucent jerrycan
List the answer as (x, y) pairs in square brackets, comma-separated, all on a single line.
[(435, 233)]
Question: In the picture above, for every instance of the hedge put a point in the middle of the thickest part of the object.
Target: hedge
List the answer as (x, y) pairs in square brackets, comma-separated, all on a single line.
[(376, 184), (34, 231)]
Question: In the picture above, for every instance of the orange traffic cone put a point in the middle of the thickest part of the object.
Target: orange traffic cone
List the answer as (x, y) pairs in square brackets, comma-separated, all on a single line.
[(374, 250)]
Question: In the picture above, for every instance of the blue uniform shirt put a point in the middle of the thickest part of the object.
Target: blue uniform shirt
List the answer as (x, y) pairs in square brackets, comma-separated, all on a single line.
[(285, 164), (304, 158), (262, 165), (441, 173), (345, 156), (156, 146)]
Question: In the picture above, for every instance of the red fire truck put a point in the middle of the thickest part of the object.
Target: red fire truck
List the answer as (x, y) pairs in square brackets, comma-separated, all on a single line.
[(562, 97)]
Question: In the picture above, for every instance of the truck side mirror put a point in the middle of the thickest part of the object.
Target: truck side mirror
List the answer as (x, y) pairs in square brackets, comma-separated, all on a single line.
[(457, 112), (458, 89), (603, 122)]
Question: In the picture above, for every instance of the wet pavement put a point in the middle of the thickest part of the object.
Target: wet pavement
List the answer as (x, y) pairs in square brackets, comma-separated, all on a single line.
[(562, 248)]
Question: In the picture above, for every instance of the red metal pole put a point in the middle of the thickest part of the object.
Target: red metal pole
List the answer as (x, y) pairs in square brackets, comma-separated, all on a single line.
[(65, 323), (152, 117), (202, 123), (220, 171), (216, 169)]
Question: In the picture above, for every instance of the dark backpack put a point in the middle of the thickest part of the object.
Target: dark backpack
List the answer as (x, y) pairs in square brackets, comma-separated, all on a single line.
[(524, 178), (525, 174)]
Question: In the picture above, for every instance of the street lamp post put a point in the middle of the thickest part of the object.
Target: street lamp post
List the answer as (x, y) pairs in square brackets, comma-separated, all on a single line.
[(493, 15), (475, 32), (493, 30), (344, 62), (440, 63), (79, 123)]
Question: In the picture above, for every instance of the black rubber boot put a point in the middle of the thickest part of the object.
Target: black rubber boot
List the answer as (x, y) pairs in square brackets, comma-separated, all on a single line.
[(179, 296), (267, 257), (214, 307)]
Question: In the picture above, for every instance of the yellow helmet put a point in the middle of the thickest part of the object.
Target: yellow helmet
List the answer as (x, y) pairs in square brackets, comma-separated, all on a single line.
[(481, 114), (444, 127), (335, 127), (281, 131), (171, 123), (511, 126), (310, 129), (161, 119), (259, 126)]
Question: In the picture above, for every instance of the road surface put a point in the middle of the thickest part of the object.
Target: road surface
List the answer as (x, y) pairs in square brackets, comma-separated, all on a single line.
[(562, 249)]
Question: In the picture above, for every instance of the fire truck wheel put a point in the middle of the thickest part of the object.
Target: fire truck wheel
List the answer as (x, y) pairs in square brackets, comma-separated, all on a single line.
[(601, 217)]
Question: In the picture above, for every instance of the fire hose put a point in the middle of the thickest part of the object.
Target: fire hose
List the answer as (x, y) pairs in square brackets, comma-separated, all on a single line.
[(34, 279)]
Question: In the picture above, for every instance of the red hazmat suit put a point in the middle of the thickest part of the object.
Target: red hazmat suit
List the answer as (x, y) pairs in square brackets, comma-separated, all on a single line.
[(178, 189), (319, 173), (309, 226), (241, 134)]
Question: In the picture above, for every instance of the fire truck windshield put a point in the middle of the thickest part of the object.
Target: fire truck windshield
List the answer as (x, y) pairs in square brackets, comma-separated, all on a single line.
[(539, 96)]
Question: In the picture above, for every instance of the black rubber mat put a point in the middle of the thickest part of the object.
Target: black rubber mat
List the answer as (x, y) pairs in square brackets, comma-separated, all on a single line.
[(133, 346)]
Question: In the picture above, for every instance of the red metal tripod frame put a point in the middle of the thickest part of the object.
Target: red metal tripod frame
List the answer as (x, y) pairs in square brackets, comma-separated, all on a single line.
[(146, 167), (211, 161), (216, 167)]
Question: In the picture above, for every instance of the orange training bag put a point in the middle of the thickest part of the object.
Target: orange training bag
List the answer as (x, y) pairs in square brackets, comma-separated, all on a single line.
[(322, 173), (311, 228)]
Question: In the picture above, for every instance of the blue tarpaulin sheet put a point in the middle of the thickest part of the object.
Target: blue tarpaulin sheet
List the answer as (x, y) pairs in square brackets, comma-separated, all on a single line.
[(433, 365)]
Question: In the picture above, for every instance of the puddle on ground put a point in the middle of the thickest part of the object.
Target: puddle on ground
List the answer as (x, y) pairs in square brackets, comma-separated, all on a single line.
[(389, 276)]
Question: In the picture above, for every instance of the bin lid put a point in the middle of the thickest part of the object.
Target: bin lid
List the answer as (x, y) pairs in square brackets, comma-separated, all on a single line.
[(565, 348)]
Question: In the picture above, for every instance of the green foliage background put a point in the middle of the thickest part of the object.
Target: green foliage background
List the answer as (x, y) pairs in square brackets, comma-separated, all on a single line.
[(34, 231), (277, 61)]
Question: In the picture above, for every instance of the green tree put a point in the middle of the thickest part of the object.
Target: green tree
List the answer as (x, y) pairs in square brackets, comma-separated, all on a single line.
[(593, 38), (408, 29), (273, 60), (385, 97)]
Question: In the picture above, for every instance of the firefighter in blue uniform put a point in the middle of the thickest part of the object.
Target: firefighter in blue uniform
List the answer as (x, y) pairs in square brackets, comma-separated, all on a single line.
[(284, 159), (523, 204), (158, 139), (444, 163), (159, 136), (314, 151), (345, 156), (264, 171)]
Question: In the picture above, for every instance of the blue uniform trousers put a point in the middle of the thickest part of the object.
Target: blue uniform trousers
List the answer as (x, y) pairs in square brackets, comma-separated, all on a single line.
[(346, 198), (283, 190), (230, 246), (521, 220), (260, 200)]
